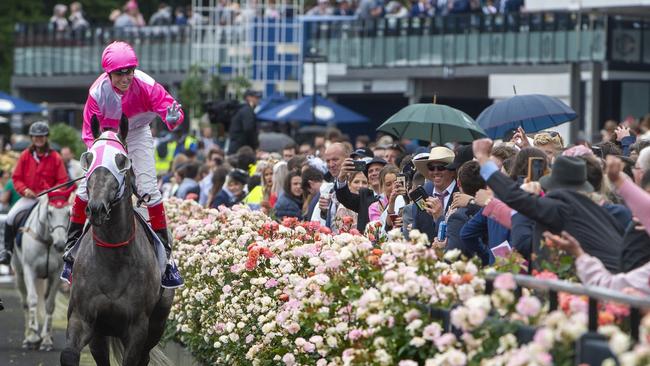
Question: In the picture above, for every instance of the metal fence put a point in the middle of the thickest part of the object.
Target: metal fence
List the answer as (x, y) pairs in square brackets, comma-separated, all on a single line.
[(39, 51)]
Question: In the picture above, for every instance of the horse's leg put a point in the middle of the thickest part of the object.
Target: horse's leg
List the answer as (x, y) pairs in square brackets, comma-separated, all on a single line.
[(53, 284), (20, 284), (135, 341), (100, 351), (78, 335), (32, 339)]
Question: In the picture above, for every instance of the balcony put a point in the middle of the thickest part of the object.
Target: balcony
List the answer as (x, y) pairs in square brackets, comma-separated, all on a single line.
[(516, 39), (41, 52), (540, 38)]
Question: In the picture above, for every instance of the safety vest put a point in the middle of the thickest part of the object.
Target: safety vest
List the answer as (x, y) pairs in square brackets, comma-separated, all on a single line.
[(163, 164), (187, 145)]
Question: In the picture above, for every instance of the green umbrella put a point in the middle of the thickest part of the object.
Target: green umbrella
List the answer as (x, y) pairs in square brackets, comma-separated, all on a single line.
[(434, 123)]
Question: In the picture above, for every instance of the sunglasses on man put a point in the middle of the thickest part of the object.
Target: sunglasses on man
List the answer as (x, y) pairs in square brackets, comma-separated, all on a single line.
[(436, 167), (123, 72)]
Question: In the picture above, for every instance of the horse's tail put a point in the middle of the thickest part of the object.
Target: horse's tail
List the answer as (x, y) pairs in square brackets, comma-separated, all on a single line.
[(116, 349), (157, 356)]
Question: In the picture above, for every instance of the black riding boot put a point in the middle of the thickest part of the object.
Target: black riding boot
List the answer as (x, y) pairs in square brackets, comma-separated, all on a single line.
[(164, 238), (74, 233), (10, 237)]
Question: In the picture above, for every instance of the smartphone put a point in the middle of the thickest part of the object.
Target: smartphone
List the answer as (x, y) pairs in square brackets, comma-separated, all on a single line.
[(536, 168), (419, 196), (401, 179), (393, 217), (359, 165)]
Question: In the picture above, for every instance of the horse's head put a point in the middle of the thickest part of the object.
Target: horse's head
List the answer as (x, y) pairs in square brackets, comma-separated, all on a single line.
[(107, 167), (55, 211)]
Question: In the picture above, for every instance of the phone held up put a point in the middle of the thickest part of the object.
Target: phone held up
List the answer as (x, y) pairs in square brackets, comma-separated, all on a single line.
[(419, 196), (536, 168)]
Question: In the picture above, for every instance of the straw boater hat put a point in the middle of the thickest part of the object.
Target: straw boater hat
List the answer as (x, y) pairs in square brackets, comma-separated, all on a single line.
[(438, 154)]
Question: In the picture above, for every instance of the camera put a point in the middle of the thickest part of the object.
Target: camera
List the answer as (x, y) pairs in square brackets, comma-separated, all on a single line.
[(359, 165), (419, 196)]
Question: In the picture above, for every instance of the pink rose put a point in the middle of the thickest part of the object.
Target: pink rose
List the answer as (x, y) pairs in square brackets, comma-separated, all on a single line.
[(505, 281), (529, 306)]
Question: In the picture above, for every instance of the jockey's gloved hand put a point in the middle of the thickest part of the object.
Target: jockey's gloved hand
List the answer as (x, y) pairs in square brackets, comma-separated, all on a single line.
[(173, 113)]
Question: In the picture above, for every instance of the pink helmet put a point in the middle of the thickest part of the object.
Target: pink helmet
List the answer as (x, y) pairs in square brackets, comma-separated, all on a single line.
[(117, 56)]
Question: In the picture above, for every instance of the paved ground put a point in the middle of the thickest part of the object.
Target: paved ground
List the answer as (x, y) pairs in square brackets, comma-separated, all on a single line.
[(12, 328)]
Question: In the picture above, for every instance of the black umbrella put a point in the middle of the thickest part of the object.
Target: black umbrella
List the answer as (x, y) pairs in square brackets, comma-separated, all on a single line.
[(274, 141)]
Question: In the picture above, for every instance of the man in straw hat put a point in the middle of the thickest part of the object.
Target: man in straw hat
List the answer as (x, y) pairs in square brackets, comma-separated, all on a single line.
[(440, 186)]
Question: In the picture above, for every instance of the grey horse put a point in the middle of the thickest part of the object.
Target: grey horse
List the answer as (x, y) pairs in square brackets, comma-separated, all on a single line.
[(116, 292), (39, 257)]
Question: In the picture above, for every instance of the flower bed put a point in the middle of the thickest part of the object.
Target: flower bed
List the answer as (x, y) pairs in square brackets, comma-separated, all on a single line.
[(262, 293)]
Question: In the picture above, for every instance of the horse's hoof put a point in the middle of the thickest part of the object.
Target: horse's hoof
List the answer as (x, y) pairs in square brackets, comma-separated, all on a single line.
[(30, 346), (46, 347)]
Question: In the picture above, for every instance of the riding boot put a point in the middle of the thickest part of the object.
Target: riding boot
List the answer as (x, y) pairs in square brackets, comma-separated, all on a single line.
[(163, 235), (10, 237), (171, 278), (74, 233), (77, 222)]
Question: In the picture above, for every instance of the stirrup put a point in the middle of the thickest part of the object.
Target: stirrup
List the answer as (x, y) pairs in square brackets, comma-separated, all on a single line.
[(66, 274), (172, 277)]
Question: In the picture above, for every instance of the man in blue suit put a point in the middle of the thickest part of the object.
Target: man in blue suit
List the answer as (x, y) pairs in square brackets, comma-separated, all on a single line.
[(440, 186)]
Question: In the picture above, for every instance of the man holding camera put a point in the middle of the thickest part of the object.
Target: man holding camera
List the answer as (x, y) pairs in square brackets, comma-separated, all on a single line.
[(334, 155), (359, 203)]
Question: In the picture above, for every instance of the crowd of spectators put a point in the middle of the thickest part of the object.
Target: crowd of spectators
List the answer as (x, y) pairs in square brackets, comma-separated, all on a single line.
[(592, 198), (228, 11)]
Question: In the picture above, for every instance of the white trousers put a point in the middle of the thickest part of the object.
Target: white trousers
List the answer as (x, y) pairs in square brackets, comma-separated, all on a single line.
[(140, 144), (22, 204)]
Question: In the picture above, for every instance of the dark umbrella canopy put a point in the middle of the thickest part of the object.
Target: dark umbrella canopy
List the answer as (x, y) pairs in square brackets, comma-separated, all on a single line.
[(434, 123), (15, 105), (271, 102), (300, 110), (274, 141), (532, 112)]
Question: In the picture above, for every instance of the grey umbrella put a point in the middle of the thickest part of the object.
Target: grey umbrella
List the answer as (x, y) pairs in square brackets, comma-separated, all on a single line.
[(274, 141)]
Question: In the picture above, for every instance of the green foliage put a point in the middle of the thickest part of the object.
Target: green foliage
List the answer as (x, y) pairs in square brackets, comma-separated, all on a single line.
[(65, 135), (190, 93)]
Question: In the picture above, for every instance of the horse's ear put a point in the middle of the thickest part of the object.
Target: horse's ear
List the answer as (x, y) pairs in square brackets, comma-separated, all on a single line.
[(94, 126), (124, 127)]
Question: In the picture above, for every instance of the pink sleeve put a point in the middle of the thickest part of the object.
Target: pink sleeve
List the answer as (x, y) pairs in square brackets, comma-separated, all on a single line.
[(91, 108), (500, 212), (638, 201), (160, 100), (373, 211), (592, 272)]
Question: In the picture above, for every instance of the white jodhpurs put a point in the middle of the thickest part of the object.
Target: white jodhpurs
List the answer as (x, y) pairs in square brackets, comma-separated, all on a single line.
[(140, 147), (22, 204)]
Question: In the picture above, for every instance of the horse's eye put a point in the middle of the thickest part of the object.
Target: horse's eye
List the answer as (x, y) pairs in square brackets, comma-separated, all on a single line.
[(123, 162), (86, 160)]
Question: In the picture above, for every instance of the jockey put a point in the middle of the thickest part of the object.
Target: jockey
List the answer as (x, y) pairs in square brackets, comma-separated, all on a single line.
[(124, 90), (38, 169)]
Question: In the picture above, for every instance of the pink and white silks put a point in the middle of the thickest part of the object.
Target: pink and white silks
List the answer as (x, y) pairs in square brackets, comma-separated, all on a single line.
[(141, 103)]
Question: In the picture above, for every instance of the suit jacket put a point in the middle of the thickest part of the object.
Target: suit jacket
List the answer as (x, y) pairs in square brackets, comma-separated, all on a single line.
[(423, 221), (358, 203), (597, 231), (243, 129), (481, 227), (455, 224), (521, 235), (636, 248)]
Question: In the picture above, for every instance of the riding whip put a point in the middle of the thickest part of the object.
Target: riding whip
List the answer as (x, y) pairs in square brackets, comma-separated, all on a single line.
[(59, 186)]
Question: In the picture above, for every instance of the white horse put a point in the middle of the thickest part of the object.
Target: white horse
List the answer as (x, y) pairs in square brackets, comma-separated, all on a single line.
[(40, 257)]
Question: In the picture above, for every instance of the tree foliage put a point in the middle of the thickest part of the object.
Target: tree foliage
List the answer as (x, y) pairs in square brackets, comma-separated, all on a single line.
[(64, 135)]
